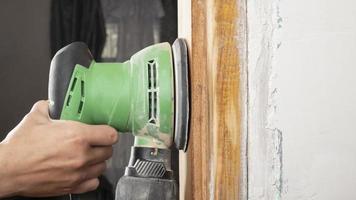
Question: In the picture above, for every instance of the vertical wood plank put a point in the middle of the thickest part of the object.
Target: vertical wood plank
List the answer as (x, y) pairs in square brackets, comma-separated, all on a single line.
[(226, 99), (211, 167), (199, 150)]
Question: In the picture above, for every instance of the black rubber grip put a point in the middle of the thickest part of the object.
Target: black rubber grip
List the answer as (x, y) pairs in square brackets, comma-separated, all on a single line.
[(60, 73), (148, 176), (149, 163)]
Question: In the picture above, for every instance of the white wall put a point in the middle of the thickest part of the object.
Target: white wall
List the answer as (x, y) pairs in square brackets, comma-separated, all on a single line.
[(302, 99)]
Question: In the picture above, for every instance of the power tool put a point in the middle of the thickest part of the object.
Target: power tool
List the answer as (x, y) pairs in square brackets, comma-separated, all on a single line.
[(147, 96)]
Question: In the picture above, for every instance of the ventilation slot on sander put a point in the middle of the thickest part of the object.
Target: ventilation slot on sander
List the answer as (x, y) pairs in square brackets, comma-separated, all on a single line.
[(152, 92), (71, 92), (80, 108)]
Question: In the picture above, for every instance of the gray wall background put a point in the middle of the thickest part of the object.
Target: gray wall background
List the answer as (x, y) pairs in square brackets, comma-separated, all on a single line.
[(24, 58)]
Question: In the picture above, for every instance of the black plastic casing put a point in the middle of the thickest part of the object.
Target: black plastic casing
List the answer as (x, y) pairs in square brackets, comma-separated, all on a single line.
[(62, 66), (148, 176)]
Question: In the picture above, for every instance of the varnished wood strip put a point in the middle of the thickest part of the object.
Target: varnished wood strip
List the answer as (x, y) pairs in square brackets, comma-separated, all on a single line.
[(213, 158), (226, 96)]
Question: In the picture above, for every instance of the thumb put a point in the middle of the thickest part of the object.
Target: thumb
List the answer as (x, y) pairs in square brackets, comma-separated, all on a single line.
[(41, 107)]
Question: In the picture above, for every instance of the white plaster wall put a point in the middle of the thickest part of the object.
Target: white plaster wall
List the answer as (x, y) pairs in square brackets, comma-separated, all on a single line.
[(302, 99)]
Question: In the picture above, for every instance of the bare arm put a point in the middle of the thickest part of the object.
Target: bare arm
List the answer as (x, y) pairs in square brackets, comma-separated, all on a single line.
[(43, 157)]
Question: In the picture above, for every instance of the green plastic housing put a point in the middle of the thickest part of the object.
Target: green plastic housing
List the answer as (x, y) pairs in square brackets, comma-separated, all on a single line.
[(136, 96)]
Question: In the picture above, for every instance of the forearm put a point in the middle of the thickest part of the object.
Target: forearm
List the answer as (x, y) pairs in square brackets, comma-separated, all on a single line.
[(8, 185)]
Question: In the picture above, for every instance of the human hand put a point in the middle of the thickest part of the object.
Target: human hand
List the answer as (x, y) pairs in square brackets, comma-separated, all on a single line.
[(42, 157)]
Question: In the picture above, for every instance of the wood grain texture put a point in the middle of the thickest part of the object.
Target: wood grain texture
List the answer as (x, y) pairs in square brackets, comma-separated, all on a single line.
[(213, 158)]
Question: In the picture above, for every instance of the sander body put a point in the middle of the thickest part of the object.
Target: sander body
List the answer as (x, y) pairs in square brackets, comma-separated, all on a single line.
[(147, 96)]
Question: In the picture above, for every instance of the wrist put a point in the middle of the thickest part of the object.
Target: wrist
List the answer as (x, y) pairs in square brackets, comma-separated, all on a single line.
[(8, 185)]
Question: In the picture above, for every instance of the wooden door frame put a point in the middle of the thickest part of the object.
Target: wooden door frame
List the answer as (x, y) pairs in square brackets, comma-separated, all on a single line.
[(215, 165)]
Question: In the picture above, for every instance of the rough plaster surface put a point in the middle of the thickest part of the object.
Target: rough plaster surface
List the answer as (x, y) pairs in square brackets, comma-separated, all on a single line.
[(264, 138), (302, 99)]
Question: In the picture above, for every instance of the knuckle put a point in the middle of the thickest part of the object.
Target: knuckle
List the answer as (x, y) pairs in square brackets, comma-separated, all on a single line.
[(78, 163), (79, 141), (32, 118), (76, 133), (39, 104)]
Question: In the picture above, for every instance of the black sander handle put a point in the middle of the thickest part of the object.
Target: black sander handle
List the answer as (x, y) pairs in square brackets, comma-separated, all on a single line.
[(62, 66), (148, 176)]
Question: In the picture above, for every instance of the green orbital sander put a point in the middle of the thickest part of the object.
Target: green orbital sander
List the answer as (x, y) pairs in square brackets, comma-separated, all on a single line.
[(147, 96)]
